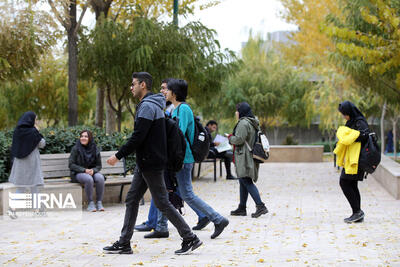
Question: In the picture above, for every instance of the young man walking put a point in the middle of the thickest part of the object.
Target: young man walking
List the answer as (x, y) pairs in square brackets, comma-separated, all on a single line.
[(177, 93), (149, 141)]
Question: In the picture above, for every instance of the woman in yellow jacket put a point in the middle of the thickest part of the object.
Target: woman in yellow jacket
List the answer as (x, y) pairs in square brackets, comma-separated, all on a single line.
[(349, 177)]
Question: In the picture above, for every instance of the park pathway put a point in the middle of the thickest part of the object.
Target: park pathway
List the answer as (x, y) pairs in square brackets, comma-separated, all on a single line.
[(304, 228)]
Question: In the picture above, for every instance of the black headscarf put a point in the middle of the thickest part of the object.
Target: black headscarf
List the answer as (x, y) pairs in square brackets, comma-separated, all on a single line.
[(87, 153), (348, 108), (25, 137), (244, 110)]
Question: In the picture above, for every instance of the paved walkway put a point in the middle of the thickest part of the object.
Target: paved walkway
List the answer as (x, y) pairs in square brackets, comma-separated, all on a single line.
[(304, 227)]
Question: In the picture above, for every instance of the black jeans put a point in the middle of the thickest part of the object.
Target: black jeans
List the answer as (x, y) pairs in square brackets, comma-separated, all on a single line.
[(226, 155), (154, 180), (350, 190)]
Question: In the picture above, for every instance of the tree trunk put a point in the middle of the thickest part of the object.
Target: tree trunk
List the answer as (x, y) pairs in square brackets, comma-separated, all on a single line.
[(100, 107), (394, 123), (100, 8), (331, 135), (110, 119), (72, 68), (382, 128), (276, 130)]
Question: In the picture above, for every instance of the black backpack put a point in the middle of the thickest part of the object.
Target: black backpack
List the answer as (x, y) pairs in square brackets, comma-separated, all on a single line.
[(260, 149), (370, 155), (176, 145), (201, 140)]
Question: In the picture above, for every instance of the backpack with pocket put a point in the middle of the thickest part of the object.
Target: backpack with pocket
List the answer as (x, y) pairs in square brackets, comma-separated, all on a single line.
[(176, 145), (370, 155), (260, 149), (201, 140)]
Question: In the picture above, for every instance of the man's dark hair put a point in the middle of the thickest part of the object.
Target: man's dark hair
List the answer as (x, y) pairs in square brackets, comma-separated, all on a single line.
[(212, 122), (179, 88), (144, 77), (166, 80)]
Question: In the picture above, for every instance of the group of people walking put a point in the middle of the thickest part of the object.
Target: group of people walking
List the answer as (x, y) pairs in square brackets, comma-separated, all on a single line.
[(148, 141)]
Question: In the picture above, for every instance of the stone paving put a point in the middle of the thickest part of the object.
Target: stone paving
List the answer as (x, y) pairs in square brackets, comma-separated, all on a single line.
[(304, 228)]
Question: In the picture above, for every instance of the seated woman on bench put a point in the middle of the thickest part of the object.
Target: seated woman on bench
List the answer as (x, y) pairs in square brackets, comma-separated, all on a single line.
[(85, 166)]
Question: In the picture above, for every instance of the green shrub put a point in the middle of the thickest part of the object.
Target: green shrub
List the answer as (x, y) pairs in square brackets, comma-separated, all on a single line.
[(289, 140), (61, 140), (5, 164), (327, 148)]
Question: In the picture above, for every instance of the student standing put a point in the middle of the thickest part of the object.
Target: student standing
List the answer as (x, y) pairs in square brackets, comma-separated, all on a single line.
[(246, 168), (26, 171), (349, 182)]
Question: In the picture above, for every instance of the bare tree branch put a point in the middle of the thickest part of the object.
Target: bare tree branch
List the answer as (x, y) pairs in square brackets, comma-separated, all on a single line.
[(119, 10), (128, 107), (109, 98), (65, 23), (81, 18)]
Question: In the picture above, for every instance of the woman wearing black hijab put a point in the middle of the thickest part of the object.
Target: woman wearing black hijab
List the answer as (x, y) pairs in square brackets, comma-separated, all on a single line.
[(246, 169), (349, 182), (85, 166), (26, 171)]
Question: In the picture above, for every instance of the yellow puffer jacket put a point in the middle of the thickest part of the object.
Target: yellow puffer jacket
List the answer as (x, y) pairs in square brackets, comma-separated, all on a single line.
[(347, 150)]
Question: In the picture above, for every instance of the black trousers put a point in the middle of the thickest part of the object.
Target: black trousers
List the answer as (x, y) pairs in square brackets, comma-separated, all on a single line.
[(154, 180), (351, 192)]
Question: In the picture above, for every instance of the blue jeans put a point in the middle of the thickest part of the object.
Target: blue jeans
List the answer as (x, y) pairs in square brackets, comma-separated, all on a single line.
[(248, 187), (152, 217), (184, 178)]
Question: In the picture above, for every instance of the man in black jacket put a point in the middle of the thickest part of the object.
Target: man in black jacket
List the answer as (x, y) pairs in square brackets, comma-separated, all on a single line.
[(149, 142)]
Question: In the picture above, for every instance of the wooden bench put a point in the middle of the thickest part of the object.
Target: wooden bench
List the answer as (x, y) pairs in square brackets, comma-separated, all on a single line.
[(55, 170)]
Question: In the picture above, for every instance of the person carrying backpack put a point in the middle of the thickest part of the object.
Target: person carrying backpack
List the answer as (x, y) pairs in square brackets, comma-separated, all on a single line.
[(148, 140), (355, 120), (246, 168), (177, 92)]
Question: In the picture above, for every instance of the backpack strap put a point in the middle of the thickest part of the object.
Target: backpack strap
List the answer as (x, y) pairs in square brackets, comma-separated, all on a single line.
[(186, 133)]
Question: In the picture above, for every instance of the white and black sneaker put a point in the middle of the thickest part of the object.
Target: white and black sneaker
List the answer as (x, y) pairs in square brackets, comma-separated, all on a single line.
[(189, 246), (118, 248), (356, 217)]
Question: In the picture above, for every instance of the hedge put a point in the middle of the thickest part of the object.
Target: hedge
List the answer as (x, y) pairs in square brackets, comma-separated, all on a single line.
[(61, 140)]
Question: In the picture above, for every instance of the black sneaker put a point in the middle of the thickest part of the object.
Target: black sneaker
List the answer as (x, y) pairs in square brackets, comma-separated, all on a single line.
[(189, 246), (356, 217), (118, 248), (201, 224)]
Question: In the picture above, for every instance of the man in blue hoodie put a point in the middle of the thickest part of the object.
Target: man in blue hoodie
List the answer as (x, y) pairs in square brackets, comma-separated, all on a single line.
[(149, 141)]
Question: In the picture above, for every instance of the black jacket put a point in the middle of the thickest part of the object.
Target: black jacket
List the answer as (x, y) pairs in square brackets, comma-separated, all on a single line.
[(76, 163), (362, 126), (149, 138)]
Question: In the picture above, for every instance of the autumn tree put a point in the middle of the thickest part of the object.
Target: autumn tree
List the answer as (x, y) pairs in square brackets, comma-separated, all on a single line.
[(272, 87), (310, 50), (124, 11), (25, 35), (113, 51), (368, 43)]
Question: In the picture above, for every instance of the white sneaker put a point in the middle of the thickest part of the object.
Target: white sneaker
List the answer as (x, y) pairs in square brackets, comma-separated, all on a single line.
[(91, 207), (100, 206)]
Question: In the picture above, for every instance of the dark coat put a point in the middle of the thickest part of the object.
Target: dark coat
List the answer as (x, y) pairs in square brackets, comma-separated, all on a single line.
[(359, 124), (245, 131), (77, 165), (149, 138)]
